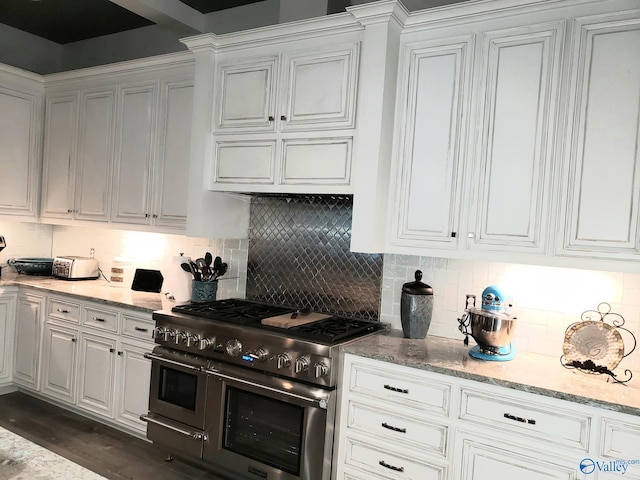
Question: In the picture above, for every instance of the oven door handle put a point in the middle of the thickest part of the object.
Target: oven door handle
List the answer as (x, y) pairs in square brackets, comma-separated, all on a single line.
[(194, 435), (153, 356), (321, 402)]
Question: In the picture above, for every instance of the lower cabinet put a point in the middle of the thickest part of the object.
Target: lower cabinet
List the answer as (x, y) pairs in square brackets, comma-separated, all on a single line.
[(397, 422), (28, 326), (59, 353), (7, 311)]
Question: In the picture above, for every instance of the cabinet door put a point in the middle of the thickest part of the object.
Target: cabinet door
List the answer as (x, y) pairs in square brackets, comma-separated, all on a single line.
[(7, 310), (95, 153), (134, 154), (96, 373), (482, 459), (602, 194), (29, 310), (516, 148), (59, 164), (59, 361), (245, 98), (19, 162), (319, 89), (172, 162), (134, 374), (431, 143)]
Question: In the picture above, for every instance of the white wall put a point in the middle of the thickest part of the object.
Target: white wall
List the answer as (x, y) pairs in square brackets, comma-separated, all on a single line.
[(546, 300)]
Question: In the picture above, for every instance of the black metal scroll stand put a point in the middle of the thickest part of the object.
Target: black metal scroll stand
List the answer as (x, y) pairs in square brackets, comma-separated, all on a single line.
[(589, 366)]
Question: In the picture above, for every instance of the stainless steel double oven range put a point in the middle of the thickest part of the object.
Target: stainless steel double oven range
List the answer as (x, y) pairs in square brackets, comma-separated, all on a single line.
[(248, 400)]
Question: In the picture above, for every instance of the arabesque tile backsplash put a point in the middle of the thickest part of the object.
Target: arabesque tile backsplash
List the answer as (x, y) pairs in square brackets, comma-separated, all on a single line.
[(545, 299)]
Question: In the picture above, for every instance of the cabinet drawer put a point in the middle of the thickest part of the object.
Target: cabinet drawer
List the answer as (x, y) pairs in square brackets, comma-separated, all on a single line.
[(63, 310), (402, 386), (548, 423), (103, 319), (620, 441), (378, 459), (397, 429), (137, 327)]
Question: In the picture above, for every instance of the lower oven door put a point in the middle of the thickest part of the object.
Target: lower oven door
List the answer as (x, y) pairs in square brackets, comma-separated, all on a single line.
[(264, 427), (178, 387)]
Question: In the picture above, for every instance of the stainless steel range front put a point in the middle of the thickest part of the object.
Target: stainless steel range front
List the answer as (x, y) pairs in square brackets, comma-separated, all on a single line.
[(248, 388)]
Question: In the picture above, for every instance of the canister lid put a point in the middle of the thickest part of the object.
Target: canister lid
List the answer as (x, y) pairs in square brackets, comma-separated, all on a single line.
[(417, 287)]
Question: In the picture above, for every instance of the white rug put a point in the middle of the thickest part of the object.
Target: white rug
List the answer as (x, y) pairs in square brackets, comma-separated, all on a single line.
[(21, 459)]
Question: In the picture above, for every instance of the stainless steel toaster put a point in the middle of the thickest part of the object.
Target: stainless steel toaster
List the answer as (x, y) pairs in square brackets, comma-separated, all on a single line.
[(75, 268)]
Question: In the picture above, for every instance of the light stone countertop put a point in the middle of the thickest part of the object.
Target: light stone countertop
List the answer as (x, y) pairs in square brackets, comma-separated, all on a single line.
[(99, 291), (528, 372)]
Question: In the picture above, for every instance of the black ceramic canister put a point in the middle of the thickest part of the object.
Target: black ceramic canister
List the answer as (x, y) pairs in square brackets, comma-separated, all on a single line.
[(416, 307)]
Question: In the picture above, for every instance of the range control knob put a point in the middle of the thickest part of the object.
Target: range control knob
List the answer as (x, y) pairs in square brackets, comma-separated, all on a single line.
[(192, 340), (158, 332), (283, 361), (260, 354), (204, 342), (169, 333), (234, 347), (321, 369), (302, 364), (181, 336)]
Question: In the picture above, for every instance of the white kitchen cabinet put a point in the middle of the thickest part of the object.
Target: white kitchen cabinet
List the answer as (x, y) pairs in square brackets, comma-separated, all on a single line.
[(28, 327), (96, 373), (133, 376), (60, 346), (21, 96), (79, 130), (7, 314), (601, 192), (493, 188), (620, 437)]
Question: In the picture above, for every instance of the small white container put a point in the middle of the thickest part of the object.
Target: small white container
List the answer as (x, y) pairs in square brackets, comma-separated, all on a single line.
[(121, 272)]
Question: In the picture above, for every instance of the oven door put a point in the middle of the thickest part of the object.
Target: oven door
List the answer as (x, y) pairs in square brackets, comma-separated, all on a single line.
[(264, 427), (178, 387)]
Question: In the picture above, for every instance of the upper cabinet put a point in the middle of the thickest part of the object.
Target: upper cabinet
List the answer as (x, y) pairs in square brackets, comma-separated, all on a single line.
[(117, 145), (601, 190), (21, 95)]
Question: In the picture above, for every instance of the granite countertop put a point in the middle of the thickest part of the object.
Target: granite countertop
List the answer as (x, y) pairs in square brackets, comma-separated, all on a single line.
[(98, 290), (528, 372)]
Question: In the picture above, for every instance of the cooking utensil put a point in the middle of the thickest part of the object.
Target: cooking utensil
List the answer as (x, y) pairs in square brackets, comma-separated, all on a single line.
[(3, 243), (208, 259), (187, 268)]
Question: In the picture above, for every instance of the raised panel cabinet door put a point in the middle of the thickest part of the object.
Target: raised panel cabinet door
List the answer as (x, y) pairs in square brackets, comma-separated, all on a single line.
[(134, 374), (321, 161), (431, 139), (96, 375), (250, 162), (7, 310), (245, 98), (484, 458), (131, 201), (19, 140), (95, 155), (516, 148), (59, 161), (29, 310), (319, 89), (172, 172), (602, 194), (59, 362)]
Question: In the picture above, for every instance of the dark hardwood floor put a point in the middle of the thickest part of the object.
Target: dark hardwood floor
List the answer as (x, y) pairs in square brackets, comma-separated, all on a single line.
[(100, 448)]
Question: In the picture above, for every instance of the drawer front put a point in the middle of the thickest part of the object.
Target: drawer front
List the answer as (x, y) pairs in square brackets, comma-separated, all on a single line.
[(137, 327), (390, 426), (400, 386), (379, 460), (548, 423), (106, 320), (63, 310), (621, 441)]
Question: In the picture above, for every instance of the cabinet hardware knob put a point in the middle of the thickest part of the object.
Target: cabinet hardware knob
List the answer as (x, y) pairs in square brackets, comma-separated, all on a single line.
[(146, 215), (396, 389), (271, 119), (120, 353), (283, 117), (111, 350), (74, 339), (453, 234), (395, 429), (69, 211), (155, 215), (391, 467)]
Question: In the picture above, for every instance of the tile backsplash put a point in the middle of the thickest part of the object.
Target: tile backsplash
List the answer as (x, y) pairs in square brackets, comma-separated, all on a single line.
[(25, 240), (546, 300)]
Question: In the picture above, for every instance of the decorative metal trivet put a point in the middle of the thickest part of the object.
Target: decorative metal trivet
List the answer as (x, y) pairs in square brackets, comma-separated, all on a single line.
[(594, 346)]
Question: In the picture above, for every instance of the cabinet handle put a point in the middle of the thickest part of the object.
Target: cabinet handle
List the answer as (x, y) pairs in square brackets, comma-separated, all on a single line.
[(111, 350), (283, 117), (98, 319), (146, 215), (271, 119), (140, 329), (395, 389), (154, 215), (120, 353), (395, 429), (453, 234), (69, 210), (74, 339), (60, 310), (391, 467), (530, 421)]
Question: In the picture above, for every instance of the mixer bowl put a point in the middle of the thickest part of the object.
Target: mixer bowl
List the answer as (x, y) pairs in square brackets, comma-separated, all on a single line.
[(491, 330)]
